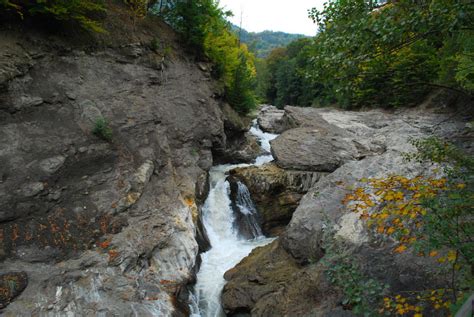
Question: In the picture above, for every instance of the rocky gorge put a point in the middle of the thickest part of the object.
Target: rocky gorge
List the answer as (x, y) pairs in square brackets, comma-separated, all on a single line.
[(319, 155), (113, 225)]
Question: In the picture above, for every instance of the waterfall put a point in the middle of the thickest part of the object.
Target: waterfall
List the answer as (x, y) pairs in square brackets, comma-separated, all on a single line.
[(246, 215), (223, 220)]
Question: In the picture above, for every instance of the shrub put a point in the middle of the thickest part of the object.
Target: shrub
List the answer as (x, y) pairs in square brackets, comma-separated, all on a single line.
[(102, 129), (64, 10)]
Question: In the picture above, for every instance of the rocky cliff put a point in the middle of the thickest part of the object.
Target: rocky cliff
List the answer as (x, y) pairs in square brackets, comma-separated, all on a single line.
[(287, 278), (103, 223)]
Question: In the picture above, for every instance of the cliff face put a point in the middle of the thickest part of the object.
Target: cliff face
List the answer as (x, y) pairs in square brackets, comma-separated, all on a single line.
[(102, 226)]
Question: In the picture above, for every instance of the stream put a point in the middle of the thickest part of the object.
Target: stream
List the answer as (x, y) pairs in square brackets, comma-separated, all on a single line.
[(228, 247)]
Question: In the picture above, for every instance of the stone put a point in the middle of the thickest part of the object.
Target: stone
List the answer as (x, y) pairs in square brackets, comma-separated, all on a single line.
[(270, 119), (322, 224), (11, 286), (276, 192), (52, 164), (71, 95), (28, 102), (89, 111), (306, 149), (32, 189)]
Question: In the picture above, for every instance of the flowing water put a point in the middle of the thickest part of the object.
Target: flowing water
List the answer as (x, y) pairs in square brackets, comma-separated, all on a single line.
[(228, 247)]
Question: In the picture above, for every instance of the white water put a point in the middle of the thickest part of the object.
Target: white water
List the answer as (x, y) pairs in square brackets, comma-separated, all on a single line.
[(228, 249)]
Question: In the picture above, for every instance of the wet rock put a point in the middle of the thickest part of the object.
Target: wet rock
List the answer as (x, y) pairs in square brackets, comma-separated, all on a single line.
[(322, 225), (11, 286), (247, 220), (276, 192), (96, 228)]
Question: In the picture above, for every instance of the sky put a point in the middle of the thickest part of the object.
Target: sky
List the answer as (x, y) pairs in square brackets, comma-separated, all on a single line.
[(273, 15)]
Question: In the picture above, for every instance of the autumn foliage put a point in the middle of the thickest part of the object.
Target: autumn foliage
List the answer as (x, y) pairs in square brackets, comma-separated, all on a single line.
[(428, 215)]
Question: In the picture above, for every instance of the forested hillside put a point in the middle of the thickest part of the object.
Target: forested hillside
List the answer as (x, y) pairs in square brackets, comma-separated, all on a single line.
[(369, 55), (262, 43)]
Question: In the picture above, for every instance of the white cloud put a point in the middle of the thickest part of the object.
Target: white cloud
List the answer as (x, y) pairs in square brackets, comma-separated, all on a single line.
[(274, 15)]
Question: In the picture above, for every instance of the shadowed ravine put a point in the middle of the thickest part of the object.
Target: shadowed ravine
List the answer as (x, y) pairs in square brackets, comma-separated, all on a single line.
[(228, 246)]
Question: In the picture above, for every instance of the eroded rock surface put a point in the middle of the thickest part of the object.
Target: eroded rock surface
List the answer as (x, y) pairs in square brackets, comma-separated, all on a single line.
[(276, 192), (286, 278), (102, 227)]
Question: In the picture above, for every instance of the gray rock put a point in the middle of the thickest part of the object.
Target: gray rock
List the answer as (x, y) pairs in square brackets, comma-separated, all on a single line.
[(307, 149), (270, 119), (89, 111), (71, 95), (52, 164), (291, 269), (28, 101), (32, 189)]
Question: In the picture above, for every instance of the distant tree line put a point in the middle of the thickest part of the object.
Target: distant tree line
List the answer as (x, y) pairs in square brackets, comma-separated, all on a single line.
[(374, 54)]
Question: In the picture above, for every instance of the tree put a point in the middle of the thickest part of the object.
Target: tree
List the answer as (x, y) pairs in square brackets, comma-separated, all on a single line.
[(240, 94)]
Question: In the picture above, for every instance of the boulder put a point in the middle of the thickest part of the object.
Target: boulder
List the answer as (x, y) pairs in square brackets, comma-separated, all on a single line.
[(272, 281), (270, 119), (307, 149), (276, 192)]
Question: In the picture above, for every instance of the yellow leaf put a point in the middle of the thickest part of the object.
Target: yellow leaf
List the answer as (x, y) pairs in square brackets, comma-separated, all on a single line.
[(400, 249), (418, 315), (461, 186), (390, 230), (399, 196), (433, 253), (452, 256)]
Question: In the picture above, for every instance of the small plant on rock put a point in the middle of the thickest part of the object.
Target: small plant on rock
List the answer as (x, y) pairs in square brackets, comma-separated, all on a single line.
[(102, 129)]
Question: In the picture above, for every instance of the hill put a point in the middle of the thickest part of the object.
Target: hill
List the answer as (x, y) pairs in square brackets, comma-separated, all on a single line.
[(262, 43)]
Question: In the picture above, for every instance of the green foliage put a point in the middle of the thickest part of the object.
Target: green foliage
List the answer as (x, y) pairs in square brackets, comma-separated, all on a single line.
[(362, 294), (194, 20), (240, 94), (75, 10), (206, 32), (262, 43), (432, 215), (389, 55), (449, 224), (102, 129)]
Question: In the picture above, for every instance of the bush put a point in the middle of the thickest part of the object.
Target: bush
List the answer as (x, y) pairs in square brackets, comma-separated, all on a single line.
[(64, 10), (102, 129)]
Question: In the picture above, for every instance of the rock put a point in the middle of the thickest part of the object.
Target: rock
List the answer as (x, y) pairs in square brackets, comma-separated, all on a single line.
[(270, 283), (11, 286), (71, 95), (307, 149), (28, 102), (32, 189), (108, 228), (142, 175), (270, 119), (52, 164), (240, 150), (322, 226), (233, 122), (246, 218), (89, 112), (276, 192)]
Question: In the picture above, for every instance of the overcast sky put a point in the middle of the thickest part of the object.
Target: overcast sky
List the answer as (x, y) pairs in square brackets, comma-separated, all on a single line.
[(274, 15)]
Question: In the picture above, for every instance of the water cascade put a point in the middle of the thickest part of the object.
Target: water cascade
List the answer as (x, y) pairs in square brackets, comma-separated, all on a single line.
[(229, 246)]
